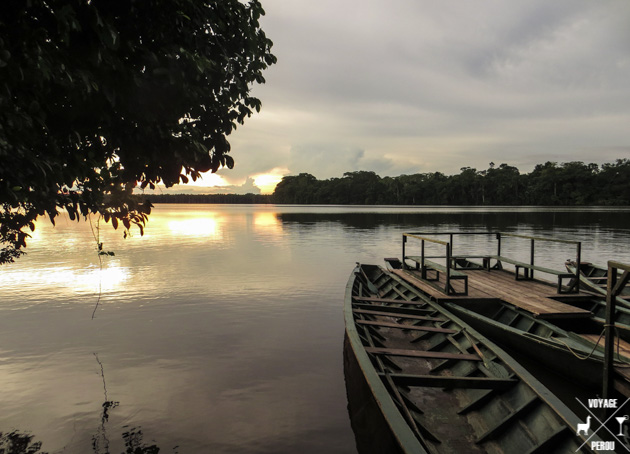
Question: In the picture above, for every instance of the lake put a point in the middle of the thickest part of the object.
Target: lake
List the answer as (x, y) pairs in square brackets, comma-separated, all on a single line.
[(221, 329)]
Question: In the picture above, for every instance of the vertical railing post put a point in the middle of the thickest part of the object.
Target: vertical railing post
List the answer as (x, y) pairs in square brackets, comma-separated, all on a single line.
[(404, 240), (531, 259), (423, 269), (499, 243), (609, 346), (448, 268), (577, 267)]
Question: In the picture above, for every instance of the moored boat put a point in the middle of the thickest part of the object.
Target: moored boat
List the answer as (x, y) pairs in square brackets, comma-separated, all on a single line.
[(597, 305), (595, 278), (420, 380), (573, 348)]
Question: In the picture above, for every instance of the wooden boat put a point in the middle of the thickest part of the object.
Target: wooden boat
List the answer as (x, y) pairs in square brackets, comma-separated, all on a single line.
[(595, 278), (420, 380), (597, 305), (573, 348)]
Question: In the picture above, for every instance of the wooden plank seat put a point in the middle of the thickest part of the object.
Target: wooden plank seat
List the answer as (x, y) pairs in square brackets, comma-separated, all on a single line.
[(528, 271), (464, 262), (394, 262), (448, 381), (404, 326), (398, 315), (437, 269), (422, 354)]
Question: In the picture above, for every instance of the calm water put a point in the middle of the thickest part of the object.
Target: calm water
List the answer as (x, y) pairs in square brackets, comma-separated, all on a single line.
[(221, 329)]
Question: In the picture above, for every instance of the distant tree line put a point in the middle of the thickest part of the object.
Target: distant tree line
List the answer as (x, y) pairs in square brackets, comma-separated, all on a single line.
[(570, 183), (209, 198)]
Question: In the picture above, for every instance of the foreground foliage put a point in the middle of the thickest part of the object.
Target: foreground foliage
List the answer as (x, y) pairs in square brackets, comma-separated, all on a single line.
[(99, 96), (571, 183)]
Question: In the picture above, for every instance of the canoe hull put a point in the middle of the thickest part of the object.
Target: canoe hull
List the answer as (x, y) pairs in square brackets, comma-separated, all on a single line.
[(555, 357), (594, 278), (431, 383), (372, 432)]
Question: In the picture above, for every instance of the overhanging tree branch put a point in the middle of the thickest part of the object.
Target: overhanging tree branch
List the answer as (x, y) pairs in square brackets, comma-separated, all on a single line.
[(99, 96)]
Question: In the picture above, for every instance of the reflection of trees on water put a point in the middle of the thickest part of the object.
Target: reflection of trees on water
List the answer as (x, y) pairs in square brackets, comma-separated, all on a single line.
[(100, 442), (132, 437), (134, 443), (16, 442), (506, 218), (19, 443)]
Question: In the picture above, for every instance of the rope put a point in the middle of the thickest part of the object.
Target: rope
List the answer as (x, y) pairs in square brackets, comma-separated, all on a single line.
[(619, 361), (578, 356), (623, 363)]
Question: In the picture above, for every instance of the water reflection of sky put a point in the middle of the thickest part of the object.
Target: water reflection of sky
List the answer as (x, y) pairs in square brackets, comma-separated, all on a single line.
[(65, 280), (201, 227), (220, 330), (206, 330)]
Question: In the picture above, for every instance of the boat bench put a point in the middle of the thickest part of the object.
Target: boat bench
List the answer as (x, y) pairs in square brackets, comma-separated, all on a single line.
[(528, 271), (463, 262), (437, 268), (394, 262)]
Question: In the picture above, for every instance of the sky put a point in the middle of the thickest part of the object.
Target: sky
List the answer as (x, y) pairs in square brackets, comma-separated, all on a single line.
[(415, 86)]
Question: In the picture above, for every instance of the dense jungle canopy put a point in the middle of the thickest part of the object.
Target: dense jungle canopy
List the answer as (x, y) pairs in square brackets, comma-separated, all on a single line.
[(571, 183)]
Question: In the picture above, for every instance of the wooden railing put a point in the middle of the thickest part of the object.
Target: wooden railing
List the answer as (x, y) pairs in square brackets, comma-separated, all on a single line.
[(528, 268), (423, 268), (615, 286), (533, 239)]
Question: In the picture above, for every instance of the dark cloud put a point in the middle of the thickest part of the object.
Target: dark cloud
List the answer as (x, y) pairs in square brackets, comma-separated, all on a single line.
[(325, 160)]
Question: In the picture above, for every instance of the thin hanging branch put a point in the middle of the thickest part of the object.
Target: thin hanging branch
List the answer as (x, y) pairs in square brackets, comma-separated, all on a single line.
[(101, 253)]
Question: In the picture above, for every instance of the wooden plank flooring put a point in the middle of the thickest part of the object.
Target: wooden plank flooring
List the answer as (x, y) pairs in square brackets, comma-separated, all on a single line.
[(533, 296)]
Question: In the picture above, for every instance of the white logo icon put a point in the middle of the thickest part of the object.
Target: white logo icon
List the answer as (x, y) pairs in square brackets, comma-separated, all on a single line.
[(584, 427), (620, 420)]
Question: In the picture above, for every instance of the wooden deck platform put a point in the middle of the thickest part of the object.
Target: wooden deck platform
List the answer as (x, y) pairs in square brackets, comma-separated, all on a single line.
[(534, 296), (621, 345)]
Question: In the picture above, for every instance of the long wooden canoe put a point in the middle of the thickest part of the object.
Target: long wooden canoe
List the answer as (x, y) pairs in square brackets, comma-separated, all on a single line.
[(572, 348), (420, 380), (597, 306), (595, 278)]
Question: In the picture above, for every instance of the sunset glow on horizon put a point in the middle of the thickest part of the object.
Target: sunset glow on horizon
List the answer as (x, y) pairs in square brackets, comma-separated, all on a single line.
[(209, 179), (215, 183), (267, 182)]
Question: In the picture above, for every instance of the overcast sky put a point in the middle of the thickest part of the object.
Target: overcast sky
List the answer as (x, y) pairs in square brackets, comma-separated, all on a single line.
[(412, 86)]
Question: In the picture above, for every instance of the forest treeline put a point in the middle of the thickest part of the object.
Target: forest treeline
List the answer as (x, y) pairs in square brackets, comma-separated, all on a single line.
[(570, 183), (209, 198)]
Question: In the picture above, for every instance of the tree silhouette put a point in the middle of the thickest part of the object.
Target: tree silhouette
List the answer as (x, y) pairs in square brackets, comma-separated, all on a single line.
[(572, 183), (98, 96)]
